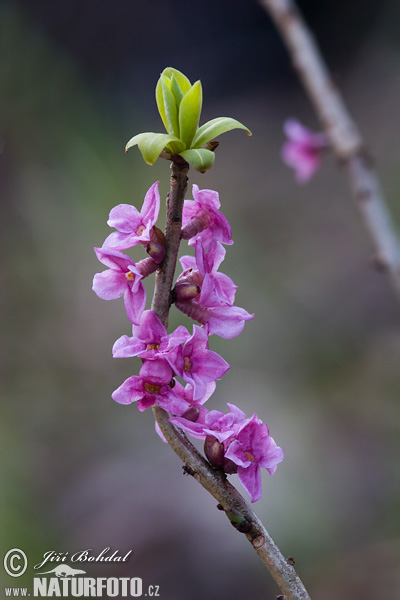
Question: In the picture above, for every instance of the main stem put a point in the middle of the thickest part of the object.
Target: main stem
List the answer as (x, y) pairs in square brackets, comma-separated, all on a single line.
[(213, 480), (165, 274)]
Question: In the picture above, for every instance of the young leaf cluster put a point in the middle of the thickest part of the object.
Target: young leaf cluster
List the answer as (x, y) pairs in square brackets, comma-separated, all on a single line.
[(179, 104)]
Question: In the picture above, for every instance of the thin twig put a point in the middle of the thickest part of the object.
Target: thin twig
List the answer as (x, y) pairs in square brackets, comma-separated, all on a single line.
[(213, 480), (346, 140)]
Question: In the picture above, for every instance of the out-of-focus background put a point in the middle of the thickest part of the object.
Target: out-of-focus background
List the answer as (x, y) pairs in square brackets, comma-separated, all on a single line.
[(320, 361)]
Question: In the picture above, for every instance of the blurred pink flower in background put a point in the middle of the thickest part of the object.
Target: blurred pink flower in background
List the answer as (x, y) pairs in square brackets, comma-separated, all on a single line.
[(303, 149)]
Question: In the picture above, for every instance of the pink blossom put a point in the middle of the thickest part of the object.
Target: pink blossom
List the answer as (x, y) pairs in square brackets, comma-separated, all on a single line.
[(214, 304), (303, 149), (192, 420), (196, 364), (136, 389), (224, 426), (220, 425), (149, 339), (251, 449), (203, 220), (216, 289), (226, 321), (134, 227), (123, 278)]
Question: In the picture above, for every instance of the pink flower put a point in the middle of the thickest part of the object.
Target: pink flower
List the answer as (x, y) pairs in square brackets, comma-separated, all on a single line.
[(213, 294), (210, 423), (136, 389), (226, 321), (223, 426), (196, 364), (251, 449), (134, 227), (149, 339), (202, 219), (216, 289), (152, 386), (192, 420), (303, 149), (123, 278)]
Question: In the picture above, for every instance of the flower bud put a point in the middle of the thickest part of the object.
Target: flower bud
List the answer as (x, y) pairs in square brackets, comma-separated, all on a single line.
[(196, 224), (184, 291), (190, 276), (156, 372), (229, 466), (156, 246), (191, 414), (146, 267), (214, 451)]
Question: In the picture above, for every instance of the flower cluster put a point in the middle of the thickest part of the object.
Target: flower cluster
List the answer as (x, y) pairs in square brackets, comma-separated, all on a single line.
[(179, 371)]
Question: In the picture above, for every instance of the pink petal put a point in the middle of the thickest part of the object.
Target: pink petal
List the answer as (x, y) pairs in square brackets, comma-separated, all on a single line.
[(151, 206), (199, 387), (109, 284), (190, 210), (194, 429), (227, 321), (250, 479), (118, 261), (236, 453), (120, 241), (209, 365), (217, 254), (175, 360), (188, 262), (209, 297), (130, 391), (210, 389), (125, 218), (177, 337), (151, 328), (273, 455), (226, 289), (208, 198), (126, 347), (171, 402), (159, 432), (135, 303), (198, 341)]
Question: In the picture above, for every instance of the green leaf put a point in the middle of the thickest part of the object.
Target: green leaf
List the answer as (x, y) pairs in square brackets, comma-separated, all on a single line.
[(181, 85), (170, 108), (215, 127), (160, 99), (182, 80), (151, 144), (200, 159), (176, 90), (189, 113)]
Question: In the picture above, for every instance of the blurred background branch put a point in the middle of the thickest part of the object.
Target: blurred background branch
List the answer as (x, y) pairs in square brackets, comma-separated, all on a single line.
[(346, 140)]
